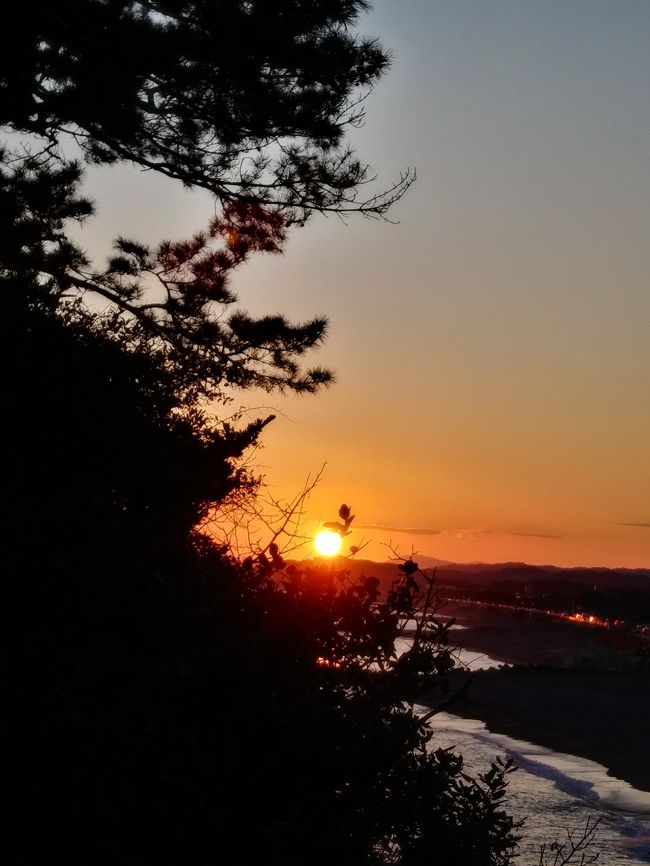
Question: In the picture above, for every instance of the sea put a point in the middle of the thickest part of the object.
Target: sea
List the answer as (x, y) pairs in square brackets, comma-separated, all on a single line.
[(556, 794)]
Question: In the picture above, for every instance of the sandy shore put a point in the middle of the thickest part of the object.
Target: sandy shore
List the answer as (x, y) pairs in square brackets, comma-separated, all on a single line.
[(600, 714)]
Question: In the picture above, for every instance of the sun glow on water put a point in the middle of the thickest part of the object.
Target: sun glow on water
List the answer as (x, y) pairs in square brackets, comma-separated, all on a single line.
[(328, 543)]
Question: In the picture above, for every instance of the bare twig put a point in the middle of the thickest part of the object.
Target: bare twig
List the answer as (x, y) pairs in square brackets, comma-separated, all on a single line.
[(574, 844)]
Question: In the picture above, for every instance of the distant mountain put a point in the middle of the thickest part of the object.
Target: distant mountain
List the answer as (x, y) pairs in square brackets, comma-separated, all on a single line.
[(487, 574), (511, 576), (432, 562), (478, 567)]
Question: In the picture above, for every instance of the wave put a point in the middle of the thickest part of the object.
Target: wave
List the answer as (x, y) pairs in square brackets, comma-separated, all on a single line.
[(578, 777)]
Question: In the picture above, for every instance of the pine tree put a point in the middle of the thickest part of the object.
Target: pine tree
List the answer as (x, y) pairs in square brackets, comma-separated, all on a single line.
[(249, 100)]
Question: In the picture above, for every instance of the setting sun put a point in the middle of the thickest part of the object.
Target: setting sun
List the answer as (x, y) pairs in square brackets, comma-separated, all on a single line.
[(328, 543)]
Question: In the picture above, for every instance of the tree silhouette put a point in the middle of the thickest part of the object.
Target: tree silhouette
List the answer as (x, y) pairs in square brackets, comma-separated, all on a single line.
[(248, 100), (181, 320), (165, 703)]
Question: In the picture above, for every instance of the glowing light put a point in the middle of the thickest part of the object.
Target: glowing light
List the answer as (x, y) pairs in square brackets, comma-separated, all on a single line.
[(327, 663), (328, 543)]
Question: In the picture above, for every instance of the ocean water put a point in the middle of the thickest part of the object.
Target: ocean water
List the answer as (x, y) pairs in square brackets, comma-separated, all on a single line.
[(555, 793)]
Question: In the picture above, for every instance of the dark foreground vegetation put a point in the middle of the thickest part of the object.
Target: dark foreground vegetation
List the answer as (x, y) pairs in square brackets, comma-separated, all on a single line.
[(163, 703)]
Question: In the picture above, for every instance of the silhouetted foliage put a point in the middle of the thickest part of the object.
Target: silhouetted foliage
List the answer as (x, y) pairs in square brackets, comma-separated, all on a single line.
[(248, 100), (180, 323), (166, 704)]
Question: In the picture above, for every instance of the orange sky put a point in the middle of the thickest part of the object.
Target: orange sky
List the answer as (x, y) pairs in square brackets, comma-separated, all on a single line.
[(491, 349)]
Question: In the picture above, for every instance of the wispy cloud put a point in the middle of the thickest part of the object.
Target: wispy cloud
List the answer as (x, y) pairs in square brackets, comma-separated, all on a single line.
[(635, 525), (459, 533), (535, 535), (406, 529), (484, 533)]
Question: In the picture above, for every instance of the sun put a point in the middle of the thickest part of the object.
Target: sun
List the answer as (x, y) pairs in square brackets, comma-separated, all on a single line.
[(328, 543)]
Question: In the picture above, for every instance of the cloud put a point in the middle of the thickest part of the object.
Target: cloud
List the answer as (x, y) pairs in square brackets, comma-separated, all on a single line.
[(535, 535), (635, 525), (459, 533), (405, 529), (484, 533)]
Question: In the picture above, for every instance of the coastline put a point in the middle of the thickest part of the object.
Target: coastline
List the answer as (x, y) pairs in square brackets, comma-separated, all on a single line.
[(602, 717), (563, 690)]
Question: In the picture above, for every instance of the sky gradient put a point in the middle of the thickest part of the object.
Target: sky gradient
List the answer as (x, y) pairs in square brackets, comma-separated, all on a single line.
[(491, 349)]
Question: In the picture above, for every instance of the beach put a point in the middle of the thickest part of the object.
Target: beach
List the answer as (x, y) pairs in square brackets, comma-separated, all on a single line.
[(562, 688)]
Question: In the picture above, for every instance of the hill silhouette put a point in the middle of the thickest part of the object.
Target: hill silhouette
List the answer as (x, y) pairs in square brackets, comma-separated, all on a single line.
[(486, 574)]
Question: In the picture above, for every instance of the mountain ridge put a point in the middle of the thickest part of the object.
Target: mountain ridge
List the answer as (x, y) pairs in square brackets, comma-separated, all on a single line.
[(451, 573)]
